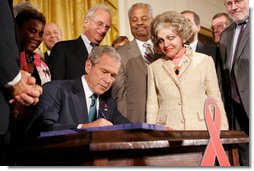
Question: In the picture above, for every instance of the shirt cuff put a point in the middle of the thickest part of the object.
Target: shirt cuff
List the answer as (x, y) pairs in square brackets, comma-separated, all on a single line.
[(79, 126), (14, 81)]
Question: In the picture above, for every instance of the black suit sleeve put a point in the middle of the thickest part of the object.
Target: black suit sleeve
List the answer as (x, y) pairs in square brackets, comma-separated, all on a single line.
[(118, 118), (56, 62), (47, 115), (114, 115), (9, 55)]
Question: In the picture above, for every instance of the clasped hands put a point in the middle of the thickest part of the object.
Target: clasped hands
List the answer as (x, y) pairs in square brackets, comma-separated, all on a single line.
[(25, 92)]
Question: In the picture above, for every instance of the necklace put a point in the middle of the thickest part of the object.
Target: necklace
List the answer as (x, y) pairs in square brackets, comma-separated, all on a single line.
[(30, 58), (177, 70), (177, 67)]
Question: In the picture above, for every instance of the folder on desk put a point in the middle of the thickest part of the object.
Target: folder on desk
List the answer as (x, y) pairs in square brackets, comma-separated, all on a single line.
[(128, 126)]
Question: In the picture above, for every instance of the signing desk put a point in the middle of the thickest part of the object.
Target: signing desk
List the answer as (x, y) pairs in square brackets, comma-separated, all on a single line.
[(125, 148)]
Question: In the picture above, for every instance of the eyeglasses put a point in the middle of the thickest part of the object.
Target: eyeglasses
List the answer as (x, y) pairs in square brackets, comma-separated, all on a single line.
[(101, 25), (219, 26), (236, 2)]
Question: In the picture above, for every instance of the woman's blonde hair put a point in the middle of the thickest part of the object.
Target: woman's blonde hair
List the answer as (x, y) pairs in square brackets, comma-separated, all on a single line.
[(173, 20)]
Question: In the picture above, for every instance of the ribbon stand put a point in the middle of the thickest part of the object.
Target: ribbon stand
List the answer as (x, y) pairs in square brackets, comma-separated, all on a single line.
[(214, 147)]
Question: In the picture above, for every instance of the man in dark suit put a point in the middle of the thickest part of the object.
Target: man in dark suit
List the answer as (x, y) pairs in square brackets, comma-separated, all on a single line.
[(67, 58), (235, 53), (64, 104), (51, 35), (197, 45), (15, 85), (220, 22)]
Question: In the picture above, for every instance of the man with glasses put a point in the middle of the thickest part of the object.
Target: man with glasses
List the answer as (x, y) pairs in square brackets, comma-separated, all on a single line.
[(220, 22), (67, 58), (235, 53)]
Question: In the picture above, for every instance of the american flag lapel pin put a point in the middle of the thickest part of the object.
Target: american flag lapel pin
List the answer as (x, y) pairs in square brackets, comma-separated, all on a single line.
[(105, 107)]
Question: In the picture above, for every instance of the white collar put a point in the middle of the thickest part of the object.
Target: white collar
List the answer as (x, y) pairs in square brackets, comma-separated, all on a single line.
[(48, 52), (193, 45), (87, 90), (87, 43)]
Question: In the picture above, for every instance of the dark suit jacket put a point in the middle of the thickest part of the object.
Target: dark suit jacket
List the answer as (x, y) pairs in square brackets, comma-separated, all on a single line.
[(207, 49), (9, 57), (46, 57), (67, 59), (63, 106), (241, 67)]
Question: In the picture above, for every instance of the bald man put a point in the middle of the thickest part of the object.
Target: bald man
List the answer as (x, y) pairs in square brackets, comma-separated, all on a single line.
[(52, 35)]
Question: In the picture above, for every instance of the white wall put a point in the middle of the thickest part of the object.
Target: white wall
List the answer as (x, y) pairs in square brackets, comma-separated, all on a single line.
[(204, 8)]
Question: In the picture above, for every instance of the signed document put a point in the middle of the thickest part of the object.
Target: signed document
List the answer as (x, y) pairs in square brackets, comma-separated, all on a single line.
[(128, 126)]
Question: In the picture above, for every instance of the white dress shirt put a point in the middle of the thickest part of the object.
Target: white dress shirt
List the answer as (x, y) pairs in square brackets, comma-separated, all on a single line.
[(88, 94)]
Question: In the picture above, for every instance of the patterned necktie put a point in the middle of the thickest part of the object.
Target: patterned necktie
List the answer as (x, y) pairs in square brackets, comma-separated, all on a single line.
[(92, 110), (148, 56)]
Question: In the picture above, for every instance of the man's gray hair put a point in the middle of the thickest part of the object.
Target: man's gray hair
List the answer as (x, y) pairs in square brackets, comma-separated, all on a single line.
[(92, 10), (99, 51), (141, 5), (22, 6)]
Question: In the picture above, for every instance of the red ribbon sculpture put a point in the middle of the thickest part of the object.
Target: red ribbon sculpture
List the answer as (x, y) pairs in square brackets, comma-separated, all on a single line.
[(214, 147)]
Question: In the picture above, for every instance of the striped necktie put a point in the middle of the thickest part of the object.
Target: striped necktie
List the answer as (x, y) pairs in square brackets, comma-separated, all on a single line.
[(148, 56)]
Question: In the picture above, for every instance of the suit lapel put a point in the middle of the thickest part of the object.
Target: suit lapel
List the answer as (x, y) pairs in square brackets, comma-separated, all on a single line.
[(200, 47), (244, 39), (135, 51), (46, 57), (230, 39), (81, 49), (185, 64), (170, 71), (79, 102)]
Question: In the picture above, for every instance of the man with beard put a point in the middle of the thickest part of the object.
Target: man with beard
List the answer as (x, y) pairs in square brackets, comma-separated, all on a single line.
[(129, 89)]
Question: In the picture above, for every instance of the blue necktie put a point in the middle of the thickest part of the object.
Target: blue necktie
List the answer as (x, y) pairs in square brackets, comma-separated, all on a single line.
[(92, 110)]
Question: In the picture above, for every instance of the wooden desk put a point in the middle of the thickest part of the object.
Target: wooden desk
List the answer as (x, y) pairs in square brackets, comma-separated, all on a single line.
[(125, 148)]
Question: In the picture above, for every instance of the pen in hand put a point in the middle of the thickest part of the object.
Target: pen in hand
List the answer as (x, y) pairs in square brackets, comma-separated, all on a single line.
[(101, 114)]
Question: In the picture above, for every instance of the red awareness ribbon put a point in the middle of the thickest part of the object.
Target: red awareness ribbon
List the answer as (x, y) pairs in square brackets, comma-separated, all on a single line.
[(214, 147)]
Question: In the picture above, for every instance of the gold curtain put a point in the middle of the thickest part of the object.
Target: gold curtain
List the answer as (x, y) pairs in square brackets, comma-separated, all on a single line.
[(69, 15)]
